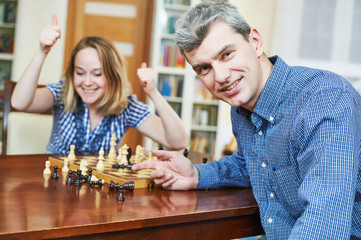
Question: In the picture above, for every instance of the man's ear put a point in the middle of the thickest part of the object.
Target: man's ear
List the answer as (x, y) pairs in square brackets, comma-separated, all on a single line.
[(256, 40)]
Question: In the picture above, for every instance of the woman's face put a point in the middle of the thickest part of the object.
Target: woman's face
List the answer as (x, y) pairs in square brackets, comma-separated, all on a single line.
[(89, 81)]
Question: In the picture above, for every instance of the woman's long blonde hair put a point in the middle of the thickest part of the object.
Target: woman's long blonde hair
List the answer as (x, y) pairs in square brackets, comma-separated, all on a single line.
[(114, 70)]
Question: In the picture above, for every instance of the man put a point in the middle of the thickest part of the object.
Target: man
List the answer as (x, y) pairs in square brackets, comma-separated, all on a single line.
[(297, 130)]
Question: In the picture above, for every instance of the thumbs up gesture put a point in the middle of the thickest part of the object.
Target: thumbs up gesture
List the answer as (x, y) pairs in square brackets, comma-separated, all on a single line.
[(146, 77), (49, 35)]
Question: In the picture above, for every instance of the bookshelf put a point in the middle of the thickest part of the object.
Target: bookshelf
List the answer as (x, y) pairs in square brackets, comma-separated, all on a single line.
[(178, 83), (7, 34)]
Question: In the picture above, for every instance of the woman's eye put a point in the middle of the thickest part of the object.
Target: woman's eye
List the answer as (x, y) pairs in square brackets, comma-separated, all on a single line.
[(226, 54)]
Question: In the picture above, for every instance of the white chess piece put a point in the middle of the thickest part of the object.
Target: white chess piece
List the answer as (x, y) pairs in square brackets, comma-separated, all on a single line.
[(112, 152), (100, 164), (65, 167), (83, 166), (47, 168), (123, 155), (71, 156)]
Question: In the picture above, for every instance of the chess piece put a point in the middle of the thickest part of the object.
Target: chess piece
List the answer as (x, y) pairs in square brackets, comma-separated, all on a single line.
[(83, 166), (139, 154), (70, 177), (99, 182), (65, 167), (129, 154), (112, 152), (71, 156), (120, 197), (123, 153), (90, 174), (129, 186), (78, 180), (93, 178), (204, 160), (100, 164), (185, 152), (122, 166), (150, 156), (47, 168), (46, 180), (55, 174)]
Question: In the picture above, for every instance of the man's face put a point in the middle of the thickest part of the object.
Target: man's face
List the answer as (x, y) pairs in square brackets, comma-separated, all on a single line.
[(229, 66)]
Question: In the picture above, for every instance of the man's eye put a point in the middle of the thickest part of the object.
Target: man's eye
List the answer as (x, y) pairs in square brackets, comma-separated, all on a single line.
[(203, 70)]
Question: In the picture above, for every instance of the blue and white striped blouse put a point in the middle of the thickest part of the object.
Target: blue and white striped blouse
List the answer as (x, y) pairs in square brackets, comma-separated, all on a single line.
[(74, 128)]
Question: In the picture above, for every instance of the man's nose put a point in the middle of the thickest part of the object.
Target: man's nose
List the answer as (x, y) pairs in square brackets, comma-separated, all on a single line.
[(221, 72)]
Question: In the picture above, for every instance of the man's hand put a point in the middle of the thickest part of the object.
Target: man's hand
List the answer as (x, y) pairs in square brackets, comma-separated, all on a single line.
[(172, 170)]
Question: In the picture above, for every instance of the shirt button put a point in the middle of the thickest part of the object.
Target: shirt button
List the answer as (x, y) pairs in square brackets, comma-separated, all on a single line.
[(270, 220), (263, 165), (260, 133), (271, 195)]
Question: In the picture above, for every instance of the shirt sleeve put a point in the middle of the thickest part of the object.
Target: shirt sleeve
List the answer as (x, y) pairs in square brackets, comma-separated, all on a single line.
[(56, 90), (136, 112), (328, 139), (229, 171)]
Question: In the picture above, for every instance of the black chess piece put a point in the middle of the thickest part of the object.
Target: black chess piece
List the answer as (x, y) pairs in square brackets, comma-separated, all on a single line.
[(122, 166), (55, 174), (150, 186), (111, 185), (90, 173), (78, 180), (129, 186), (129, 155), (96, 183), (121, 197), (204, 160), (185, 152), (70, 177)]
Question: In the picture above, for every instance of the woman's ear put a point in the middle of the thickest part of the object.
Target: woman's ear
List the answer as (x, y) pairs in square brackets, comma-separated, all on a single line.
[(256, 40)]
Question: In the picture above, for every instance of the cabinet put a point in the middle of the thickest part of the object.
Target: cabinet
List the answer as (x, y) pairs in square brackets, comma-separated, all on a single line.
[(7, 34), (178, 83)]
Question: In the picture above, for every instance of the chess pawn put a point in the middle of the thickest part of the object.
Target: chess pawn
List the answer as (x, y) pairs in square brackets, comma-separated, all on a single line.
[(100, 164), (71, 156), (47, 168), (112, 152), (65, 167), (150, 156), (69, 180), (46, 180), (55, 174), (120, 197)]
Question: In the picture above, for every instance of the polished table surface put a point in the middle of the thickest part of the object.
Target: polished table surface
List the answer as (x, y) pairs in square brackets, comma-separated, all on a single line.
[(35, 207)]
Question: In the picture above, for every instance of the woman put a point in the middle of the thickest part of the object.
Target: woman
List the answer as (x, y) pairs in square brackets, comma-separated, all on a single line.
[(93, 100)]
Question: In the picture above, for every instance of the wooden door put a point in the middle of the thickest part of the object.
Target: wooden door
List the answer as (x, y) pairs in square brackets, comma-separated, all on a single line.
[(127, 23)]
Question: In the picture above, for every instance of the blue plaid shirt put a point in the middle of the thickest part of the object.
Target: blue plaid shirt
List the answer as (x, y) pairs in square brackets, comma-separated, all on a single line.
[(74, 128), (300, 152)]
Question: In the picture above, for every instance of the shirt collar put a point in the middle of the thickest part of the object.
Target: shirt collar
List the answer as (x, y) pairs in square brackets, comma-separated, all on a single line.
[(270, 98)]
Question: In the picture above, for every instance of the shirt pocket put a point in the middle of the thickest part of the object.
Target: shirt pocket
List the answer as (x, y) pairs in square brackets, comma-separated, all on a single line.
[(285, 182)]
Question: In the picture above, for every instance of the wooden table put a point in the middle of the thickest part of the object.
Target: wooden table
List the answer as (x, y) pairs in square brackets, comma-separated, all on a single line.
[(33, 207)]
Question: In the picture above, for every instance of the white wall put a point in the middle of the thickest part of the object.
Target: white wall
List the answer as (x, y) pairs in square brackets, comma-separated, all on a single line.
[(32, 17), (260, 14)]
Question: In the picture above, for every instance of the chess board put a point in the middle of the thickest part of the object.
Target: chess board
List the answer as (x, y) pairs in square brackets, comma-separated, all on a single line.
[(141, 178)]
